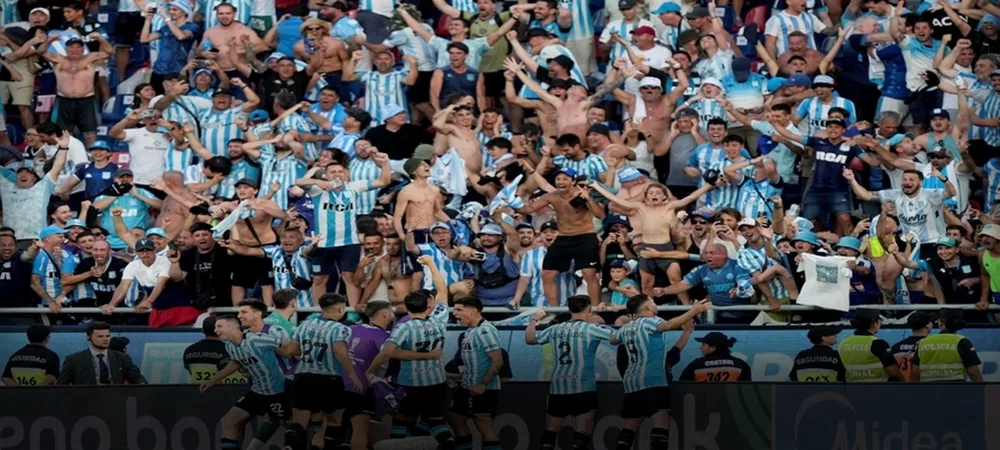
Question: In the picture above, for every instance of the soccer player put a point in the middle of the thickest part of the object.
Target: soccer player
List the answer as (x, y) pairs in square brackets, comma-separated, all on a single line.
[(573, 389), (419, 346), (366, 340), (480, 390), (318, 385), (254, 352), (646, 391)]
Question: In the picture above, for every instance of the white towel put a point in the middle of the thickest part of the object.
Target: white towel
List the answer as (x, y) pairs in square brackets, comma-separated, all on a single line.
[(230, 220)]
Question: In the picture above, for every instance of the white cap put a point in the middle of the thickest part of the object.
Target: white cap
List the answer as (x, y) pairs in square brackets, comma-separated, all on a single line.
[(748, 222), (651, 82), (712, 81), (41, 10)]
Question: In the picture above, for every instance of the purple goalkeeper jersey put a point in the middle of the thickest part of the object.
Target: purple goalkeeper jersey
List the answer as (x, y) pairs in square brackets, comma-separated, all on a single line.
[(366, 341)]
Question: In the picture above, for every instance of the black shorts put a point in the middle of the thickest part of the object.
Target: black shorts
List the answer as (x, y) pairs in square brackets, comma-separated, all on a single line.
[(317, 393), (249, 270), (579, 252), (425, 402), (331, 260), (79, 112), (468, 405), (420, 92), (571, 404), (357, 404), (645, 403), (494, 83), (274, 406), (127, 28)]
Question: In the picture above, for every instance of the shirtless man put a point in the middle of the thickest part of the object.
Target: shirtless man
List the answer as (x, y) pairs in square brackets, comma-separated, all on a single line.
[(225, 39), (658, 215), (176, 206), (389, 268), (461, 136), (572, 112), (252, 229), (420, 203), (316, 38), (577, 244), (548, 117), (75, 100), (659, 106)]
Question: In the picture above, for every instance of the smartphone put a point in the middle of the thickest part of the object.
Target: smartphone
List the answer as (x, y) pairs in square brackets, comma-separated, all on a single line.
[(479, 256), (152, 9)]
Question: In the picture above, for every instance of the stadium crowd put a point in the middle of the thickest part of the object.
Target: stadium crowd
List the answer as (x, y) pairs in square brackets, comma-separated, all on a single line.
[(532, 151)]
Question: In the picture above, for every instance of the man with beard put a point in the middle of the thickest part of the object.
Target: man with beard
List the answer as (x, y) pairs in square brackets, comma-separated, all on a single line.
[(532, 259), (45, 271), (497, 270), (23, 191), (384, 86), (218, 123), (15, 271), (231, 40), (98, 364), (389, 268), (763, 262), (325, 116), (289, 262), (83, 245), (143, 280), (99, 274), (204, 268)]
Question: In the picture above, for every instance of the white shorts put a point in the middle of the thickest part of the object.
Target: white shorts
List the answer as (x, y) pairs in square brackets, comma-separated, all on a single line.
[(891, 104)]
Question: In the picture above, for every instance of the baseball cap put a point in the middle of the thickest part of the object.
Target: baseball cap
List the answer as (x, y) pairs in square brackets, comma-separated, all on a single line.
[(776, 83), (523, 225), (947, 242), (823, 80), (41, 10), (617, 218), (627, 174), (687, 36), (258, 115), (424, 152), (839, 122), (392, 110), (565, 171), (625, 4), (550, 225), (144, 244), (558, 83), (74, 40), (867, 316), (918, 320), (938, 112), (491, 229), (850, 242), (746, 222), (221, 92), (123, 172), (713, 81), (995, 73), (599, 128), (715, 339), (246, 181), (618, 263), (50, 231), (440, 225), (537, 32), (645, 29), (76, 223), (156, 231), (667, 7), (565, 61), (898, 138), (817, 334), (650, 82), (741, 68), (799, 80), (118, 343), (704, 213), (99, 145), (697, 13)]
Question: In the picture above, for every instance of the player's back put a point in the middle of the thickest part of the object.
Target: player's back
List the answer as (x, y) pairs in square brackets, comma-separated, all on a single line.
[(316, 339), (420, 335), (574, 345), (646, 353)]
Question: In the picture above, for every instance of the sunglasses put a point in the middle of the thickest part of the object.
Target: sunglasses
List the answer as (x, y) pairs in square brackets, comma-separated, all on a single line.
[(699, 222), (936, 156), (314, 29)]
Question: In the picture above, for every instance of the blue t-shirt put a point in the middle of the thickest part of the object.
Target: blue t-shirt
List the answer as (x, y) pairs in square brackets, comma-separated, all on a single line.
[(828, 171), (95, 180), (173, 53), (720, 282), (288, 35)]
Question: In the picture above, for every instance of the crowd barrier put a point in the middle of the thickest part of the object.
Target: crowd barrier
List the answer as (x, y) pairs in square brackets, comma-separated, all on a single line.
[(751, 416), (770, 351)]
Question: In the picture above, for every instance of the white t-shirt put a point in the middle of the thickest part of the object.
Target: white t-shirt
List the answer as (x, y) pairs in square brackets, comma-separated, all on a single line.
[(828, 282), (77, 155), (145, 275), (146, 150), (920, 215), (655, 57)]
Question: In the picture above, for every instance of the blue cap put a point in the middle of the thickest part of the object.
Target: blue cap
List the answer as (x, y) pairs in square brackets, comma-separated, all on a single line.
[(627, 174), (391, 110), (440, 225), (99, 144), (523, 225), (988, 19), (776, 83), (565, 171), (618, 263), (76, 223), (491, 229), (850, 242), (667, 7), (807, 236), (205, 71), (995, 73), (156, 231), (898, 138), (50, 231), (274, 55), (799, 80), (938, 112), (258, 115), (617, 218)]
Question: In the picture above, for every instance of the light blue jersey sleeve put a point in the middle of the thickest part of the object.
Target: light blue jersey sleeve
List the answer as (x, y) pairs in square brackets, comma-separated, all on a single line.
[(400, 334), (489, 340), (544, 336), (600, 332)]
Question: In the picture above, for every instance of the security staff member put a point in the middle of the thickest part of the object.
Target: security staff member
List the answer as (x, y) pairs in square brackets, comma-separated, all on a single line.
[(947, 356), (821, 363), (207, 356), (717, 363), (920, 324), (33, 364), (866, 357)]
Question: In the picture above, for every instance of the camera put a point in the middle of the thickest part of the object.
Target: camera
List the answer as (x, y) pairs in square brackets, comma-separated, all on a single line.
[(711, 176)]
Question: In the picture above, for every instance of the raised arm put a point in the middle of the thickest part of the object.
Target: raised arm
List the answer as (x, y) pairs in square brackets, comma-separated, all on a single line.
[(859, 190), (447, 9)]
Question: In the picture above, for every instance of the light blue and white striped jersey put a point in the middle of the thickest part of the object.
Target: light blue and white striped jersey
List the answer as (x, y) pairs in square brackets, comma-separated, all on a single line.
[(531, 266), (483, 139), (979, 90), (623, 29), (553, 27), (647, 354), (583, 25), (301, 267), (412, 45), (465, 5), (919, 59), (543, 57), (178, 111), (244, 8), (295, 122), (313, 94), (281, 329), (177, 160), (158, 23), (336, 213), (991, 110), (335, 115), (10, 14), (479, 342), (345, 142), (255, 353), (382, 89), (667, 35), (79, 290), (716, 66), (782, 23), (195, 174), (748, 94), (477, 48), (574, 347), (219, 127), (755, 260), (127, 6), (422, 335), (241, 169), (364, 170), (283, 169), (708, 109), (591, 165), (750, 202), (135, 214), (704, 157), (726, 196), (992, 170), (48, 272), (316, 338), (452, 271), (816, 112), (920, 215), (59, 46)]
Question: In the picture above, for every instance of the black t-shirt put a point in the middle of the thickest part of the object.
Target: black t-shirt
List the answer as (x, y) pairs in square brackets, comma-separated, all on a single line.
[(269, 85), (984, 45), (15, 283), (208, 275), (31, 364), (206, 352), (104, 286), (717, 367), (85, 29), (819, 357), (399, 145), (941, 24)]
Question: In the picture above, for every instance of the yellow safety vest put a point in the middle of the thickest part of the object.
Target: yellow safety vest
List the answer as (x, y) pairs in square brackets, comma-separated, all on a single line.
[(861, 364), (939, 358)]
